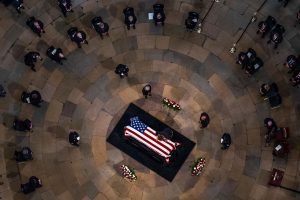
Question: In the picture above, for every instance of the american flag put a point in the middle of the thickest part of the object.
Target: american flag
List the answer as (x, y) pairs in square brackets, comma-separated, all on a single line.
[(147, 136)]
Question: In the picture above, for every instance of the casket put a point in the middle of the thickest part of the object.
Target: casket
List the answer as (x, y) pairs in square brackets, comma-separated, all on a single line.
[(147, 139)]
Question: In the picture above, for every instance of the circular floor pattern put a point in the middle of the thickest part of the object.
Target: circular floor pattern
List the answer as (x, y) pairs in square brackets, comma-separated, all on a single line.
[(194, 69)]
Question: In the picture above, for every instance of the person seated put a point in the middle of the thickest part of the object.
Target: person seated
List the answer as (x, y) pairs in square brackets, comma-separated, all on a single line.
[(267, 90), (77, 36), (275, 100), (56, 54), (2, 91), (264, 27), (295, 80), (285, 2), (31, 185), (74, 138), (276, 35), (130, 18), (36, 25), (226, 141), (30, 58), (65, 6), (23, 155), (297, 18), (122, 70), (204, 120), (33, 98), (292, 62), (146, 91), (159, 14), (21, 125), (192, 21), (19, 5), (244, 58), (101, 27), (253, 66), (270, 124)]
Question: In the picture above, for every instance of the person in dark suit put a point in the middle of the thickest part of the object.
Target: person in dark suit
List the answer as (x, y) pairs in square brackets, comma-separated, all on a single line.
[(267, 90), (77, 36), (146, 91), (295, 80), (65, 6), (159, 14), (74, 138), (24, 155), (226, 141), (204, 120), (35, 25), (19, 5), (297, 18), (285, 2), (101, 27), (2, 91), (264, 27), (33, 98), (192, 21), (30, 58), (122, 70), (22, 125), (276, 35), (56, 54), (246, 58), (253, 66), (271, 126), (292, 62), (130, 18), (33, 183)]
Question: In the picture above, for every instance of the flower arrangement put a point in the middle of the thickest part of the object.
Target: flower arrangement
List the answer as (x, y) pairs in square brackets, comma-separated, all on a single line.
[(128, 173), (171, 104), (198, 166)]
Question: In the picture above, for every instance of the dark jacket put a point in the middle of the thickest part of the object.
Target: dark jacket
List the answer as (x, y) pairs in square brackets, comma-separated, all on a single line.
[(30, 22)]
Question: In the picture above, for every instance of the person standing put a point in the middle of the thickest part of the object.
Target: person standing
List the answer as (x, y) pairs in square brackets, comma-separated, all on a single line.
[(30, 58), (225, 141), (101, 27), (122, 70), (146, 91), (79, 37), (65, 6), (276, 35), (74, 138), (35, 25), (159, 14), (130, 18), (56, 54), (204, 120)]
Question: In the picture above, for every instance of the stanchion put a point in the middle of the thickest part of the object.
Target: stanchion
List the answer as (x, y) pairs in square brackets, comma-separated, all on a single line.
[(199, 26)]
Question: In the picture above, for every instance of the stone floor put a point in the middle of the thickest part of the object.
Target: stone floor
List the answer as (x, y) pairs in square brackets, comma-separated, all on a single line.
[(194, 69)]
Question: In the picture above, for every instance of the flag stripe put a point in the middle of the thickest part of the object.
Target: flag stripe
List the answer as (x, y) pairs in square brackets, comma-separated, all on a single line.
[(128, 131), (149, 141), (171, 145), (161, 142)]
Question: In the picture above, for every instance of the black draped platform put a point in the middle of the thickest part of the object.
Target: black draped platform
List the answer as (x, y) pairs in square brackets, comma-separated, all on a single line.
[(116, 138)]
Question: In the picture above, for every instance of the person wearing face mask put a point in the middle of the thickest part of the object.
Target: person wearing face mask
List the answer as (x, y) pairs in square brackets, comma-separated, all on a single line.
[(35, 25), (30, 58), (192, 21), (276, 35), (292, 62), (56, 54), (264, 27), (74, 138), (101, 27), (159, 14), (65, 6), (130, 18), (79, 37), (122, 70), (295, 80)]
